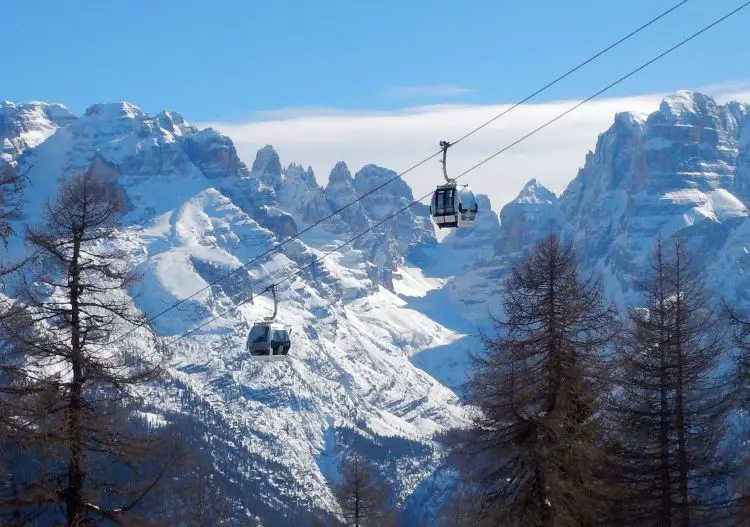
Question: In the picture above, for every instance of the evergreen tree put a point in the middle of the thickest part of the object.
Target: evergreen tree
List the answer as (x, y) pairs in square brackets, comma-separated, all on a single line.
[(205, 503)]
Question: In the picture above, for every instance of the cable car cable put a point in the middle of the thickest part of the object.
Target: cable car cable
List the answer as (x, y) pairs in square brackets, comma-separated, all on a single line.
[(413, 167), (487, 159)]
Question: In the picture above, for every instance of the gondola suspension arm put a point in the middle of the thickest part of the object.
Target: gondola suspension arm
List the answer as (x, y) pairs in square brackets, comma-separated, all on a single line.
[(444, 145), (272, 287)]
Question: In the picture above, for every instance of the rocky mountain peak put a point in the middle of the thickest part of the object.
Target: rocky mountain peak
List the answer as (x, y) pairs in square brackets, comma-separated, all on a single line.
[(533, 193), (371, 176), (174, 123), (267, 162), (686, 104), (533, 214), (26, 125), (113, 111), (297, 174), (340, 176)]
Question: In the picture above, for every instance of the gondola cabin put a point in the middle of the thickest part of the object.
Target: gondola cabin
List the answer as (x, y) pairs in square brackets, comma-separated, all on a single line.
[(453, 206), (268, 341)]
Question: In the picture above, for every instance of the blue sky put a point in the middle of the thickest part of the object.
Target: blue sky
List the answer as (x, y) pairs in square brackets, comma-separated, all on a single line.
[(227, 61), (376, 82)]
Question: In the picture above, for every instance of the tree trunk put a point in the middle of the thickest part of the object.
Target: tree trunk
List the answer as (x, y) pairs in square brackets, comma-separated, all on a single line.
[(74, 504), (551, 339), (682, 450), (665, 512), (357, 490), (680, 403), (545, 515)]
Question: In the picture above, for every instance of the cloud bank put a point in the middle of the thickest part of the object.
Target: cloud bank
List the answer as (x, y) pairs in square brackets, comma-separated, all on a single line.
[(400, 139)]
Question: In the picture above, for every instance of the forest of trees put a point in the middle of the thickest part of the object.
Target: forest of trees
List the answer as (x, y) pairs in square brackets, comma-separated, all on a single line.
[(586, 416)]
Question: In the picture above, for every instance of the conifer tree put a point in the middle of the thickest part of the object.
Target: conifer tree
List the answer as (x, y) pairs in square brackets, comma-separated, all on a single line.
[(741, 478), (205, 503), (362, 496), (461, 510), (534, 449), (671, 403), (68, 392)]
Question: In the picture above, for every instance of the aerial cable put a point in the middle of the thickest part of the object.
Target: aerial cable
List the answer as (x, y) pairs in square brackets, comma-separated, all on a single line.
[(410, 169), (479, 164)]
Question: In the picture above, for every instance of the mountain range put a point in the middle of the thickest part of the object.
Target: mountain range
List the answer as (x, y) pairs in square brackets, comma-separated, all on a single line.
[(383, 329)]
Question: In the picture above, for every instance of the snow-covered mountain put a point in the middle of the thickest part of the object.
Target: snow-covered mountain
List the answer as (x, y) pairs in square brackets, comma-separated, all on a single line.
[(383, 329), (674, 172), (195, 213)]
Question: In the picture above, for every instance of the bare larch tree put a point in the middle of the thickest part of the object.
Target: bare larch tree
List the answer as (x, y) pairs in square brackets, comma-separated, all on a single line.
[(534, 449), (641, 410), (670, 406), (741, 479), (461, 510), (70, 393), (363, 497)]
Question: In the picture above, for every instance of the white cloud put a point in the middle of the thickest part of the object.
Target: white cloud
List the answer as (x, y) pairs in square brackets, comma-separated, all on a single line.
[(435, 90), (724, 92), (739, 96), (400, 139)]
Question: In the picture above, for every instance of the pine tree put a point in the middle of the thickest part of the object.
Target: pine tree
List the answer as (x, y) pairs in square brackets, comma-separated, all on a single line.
[(671, 403), (362, 496), (535, 446), (68, 392)]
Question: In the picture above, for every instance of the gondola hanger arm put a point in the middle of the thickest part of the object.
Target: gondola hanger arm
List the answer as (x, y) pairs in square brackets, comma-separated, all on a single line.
[(272, 287), (445, 145)]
